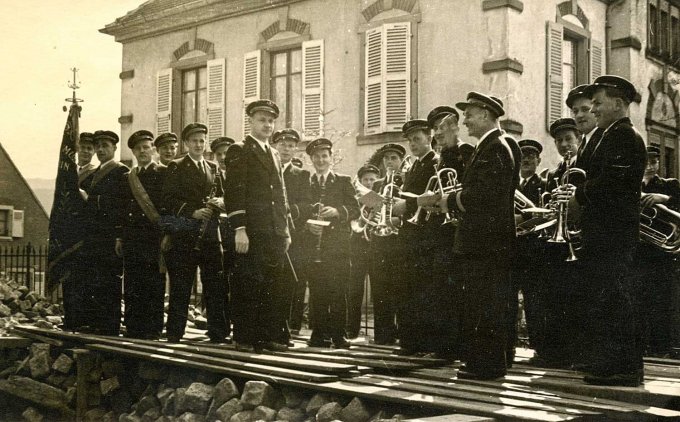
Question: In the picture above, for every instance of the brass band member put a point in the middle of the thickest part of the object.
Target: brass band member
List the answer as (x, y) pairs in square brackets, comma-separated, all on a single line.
[(192, 190), (610, 222), (292, 297), (328, 246), (528, 265), (417, 333), (586, 123), (387, 278), (485, 238), (657, 269), (140, 244), (103, 192), (85, 153), (255, 202), (166, 146), (361, 259)]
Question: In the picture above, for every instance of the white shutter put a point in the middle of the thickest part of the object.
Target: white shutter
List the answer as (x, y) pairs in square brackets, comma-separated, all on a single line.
[(595, 59), (554, 82), (373, 92), (164, 101), (397, 74), (251, 84), (18, 223), (216, 74), (312, 88)]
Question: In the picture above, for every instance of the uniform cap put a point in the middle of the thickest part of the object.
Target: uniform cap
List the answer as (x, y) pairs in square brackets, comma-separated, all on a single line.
[(415, 124), (577, 92), (367, 168), (613, 81), (218, 142), (562, 124), (439, 112), (392, 147), (263, 105), (317, 144), (487, 102), (531, 144), (105, 135), (283, 134), (296, 162), (86, 137), (653, 150), (139, 136), (165, 138), (192, 128)]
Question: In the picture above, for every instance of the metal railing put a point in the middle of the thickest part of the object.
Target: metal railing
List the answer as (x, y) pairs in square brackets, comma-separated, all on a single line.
[(26, 265)]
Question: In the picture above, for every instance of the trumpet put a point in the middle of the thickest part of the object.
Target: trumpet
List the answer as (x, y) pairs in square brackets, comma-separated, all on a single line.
[(660, 227), (444, 182), (562, 234), (380, 223), (541, 217), (205, 223)]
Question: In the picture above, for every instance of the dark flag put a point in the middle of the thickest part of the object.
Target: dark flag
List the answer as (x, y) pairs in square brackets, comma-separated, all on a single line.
[(67, 216)]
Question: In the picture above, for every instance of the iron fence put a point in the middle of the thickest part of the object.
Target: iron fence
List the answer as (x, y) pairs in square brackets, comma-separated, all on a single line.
[(26, 264)]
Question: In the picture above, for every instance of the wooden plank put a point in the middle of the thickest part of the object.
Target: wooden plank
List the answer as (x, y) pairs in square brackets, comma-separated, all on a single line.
[(614, 409), (373, 355), (651, 393), (233, 364), (38, 337), (85, 362), (15, 342), (372, 363), (228, 352)]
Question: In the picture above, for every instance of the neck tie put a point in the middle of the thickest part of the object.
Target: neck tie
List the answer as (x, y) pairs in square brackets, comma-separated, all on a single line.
[(322, 180), (523, 184)]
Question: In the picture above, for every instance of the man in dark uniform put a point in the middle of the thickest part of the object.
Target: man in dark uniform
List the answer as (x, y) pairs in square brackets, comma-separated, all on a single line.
[(361, 258), (444, 122), (192, 190), (328, 246), (586, 123), (419, 239), (104, 194), (485, 238), (291, 296), (85, 153), (144, 284), (566, 137), (219, 147), (657, 269), (610, 197), (166, 145), (528, 266), (256, 205), (387, 278)]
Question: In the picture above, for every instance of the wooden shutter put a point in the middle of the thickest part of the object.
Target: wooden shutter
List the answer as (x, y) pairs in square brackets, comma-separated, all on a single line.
[(596, 59), (216, 106), (312, 88), (164, 101), (17, 224), (251, 84), (373, 92), (554, 84), (397, 74)]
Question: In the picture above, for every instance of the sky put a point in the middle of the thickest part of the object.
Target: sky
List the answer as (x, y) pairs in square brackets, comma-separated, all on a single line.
[(41, 41)]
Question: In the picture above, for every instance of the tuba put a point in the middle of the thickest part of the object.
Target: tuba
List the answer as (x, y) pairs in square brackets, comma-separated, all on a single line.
[(660, 227)]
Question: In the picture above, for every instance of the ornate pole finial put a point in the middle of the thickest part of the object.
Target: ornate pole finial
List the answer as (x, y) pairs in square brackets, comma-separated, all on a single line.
[(73, 85)]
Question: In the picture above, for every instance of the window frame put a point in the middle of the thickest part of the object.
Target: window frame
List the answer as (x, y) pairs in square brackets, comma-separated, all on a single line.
[(288, 76), (668, 139), (9, 210), (663, 41), (195, 92)]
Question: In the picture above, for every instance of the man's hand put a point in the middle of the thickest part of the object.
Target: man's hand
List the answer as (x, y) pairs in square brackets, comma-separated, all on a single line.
[(119, 248), (216, 203), (399, 207), (202, 214), (315, 229), (329, 212), (429, 199), (83, 194), (650, 199), (564, 193), (241, 241)]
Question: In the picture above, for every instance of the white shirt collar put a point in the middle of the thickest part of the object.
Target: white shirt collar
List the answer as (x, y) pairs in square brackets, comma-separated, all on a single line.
[(590, 134), (146, 167), (485, 135), (325, 175), (261, 143), (197, 163)]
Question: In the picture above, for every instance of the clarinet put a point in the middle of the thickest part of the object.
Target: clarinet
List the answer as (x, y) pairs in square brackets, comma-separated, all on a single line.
[(317, 256), (215, 210)]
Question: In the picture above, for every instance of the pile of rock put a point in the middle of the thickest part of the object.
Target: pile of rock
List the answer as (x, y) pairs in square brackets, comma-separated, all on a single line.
[(19, 305), (46, 378)]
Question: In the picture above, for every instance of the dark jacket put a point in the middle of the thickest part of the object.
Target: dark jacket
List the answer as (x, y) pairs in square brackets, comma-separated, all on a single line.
[(416, 179), (254, 196), (338, 193), (533, 189), (487, 223), (105, 203), (670, 187), (136, 224), (297, 192), (610, 195), (585, 152), (185, 190)]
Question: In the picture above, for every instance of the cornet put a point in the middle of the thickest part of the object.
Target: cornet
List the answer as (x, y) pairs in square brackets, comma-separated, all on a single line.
[(660, 227), (444, 182)]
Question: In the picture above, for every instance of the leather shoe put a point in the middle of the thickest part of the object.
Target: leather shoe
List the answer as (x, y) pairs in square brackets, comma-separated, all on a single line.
[(465, 373), (245, 347), (627, 379), (316, 343), (273, 346), (220, 340), (341, 343), (172, 339)]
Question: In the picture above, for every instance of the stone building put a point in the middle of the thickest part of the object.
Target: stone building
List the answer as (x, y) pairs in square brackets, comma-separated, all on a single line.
[(355, 70), (23, 219)]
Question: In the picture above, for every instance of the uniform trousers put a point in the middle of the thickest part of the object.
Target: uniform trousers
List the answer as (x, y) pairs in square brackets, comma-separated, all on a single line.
[(182, 263), (256, 277), (101, 283), (484, 288), (328, 282), (614, 336), (297, 288), (144, 286), (360, 267), (388, 287)]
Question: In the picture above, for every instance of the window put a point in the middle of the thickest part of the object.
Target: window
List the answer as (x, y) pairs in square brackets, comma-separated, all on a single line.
[(194, 96), (667, 143), (286, 85), (5, 220), (574, 58), (663, 31), (387, 78)]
